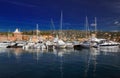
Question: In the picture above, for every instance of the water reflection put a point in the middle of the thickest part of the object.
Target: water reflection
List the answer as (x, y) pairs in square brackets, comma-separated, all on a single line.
[(92, 53), (65, 59), (3, 50), (110, 49), (91, 60), (59, 52), (87, 63), (61, 63), (17, 52)]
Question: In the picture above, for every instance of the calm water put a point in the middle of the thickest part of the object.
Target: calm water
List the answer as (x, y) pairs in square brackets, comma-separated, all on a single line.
[(18, 63)]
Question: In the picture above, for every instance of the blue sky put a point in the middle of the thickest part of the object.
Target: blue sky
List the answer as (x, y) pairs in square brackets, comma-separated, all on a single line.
[(25, 14)]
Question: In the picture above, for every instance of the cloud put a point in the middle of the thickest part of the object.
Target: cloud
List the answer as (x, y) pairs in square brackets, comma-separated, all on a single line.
[(20, 3), (116, 22)]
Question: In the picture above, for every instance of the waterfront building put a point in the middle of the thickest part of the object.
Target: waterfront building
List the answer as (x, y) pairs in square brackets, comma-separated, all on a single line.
[(3, 38), (17, 35)]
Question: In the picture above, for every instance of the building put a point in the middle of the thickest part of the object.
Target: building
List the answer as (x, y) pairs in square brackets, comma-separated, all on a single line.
[(17, 35), (3, 38)]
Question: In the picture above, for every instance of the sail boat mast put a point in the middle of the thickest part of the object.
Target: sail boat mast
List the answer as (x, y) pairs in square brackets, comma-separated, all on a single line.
[(95, 26), (87, 29), (53, 25), (61, 20)]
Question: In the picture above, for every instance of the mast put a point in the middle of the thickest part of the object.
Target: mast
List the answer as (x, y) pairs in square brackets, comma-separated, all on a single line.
[(53, 25), (37, 30), (86, 27), (95, 26), (61, 20)]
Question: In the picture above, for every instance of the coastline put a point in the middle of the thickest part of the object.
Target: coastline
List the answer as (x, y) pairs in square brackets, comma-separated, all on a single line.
[(70, 35)]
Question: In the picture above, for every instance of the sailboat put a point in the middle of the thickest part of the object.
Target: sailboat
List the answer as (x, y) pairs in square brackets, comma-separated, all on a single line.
[(92, 41), (86, 43), (40, 44), (59, 42)]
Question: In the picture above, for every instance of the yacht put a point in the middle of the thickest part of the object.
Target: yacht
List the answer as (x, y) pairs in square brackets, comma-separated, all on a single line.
[(91, 42), (108, 44), (28, 45), (85, 44), (69, 45), (49, 45), (4, 44), (60, 44), (39, 45)]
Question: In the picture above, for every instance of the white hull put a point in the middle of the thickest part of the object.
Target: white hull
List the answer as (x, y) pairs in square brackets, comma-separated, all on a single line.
[(61, 46), (109, 46), (69, 45), (85, 44), (4, 45)]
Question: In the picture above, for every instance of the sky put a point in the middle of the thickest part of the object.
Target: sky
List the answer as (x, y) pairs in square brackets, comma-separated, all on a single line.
[(25, 14)]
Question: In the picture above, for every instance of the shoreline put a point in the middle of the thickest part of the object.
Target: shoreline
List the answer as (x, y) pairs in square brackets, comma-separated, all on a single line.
[(66, 34)]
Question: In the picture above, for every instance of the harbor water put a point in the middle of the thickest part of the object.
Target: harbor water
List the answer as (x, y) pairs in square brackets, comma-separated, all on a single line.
[(62, 63)]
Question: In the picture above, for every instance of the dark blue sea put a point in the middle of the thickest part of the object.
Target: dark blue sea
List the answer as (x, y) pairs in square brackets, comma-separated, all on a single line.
[(64, 63)]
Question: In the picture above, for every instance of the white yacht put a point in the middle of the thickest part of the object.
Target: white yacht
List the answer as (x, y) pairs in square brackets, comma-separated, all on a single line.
[(60, 44), (69, 45), (39, 45), (4, 44), (49, 45), (28, 45), (108, 44), (91, 42)]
